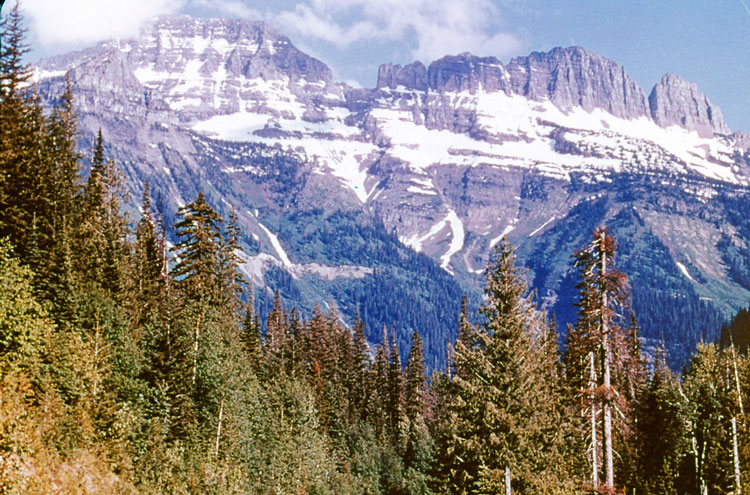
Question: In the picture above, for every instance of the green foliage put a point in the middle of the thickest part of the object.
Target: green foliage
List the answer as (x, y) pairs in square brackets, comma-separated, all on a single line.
[(503, 410), (24, 324), (119, 375)]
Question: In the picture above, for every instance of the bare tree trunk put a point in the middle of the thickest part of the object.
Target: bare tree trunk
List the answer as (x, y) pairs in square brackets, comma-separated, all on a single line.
[(735, 439), (594, 442), (607, 410), (97, 336), (507, 481), (736, 458), (607, 439), (218, 428), (699, 463), (737, 378), (195, 346)]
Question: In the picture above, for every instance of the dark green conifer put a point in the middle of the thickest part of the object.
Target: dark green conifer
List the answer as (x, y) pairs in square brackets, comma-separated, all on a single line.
[(251, 337), (505, 412), (415, 380), (198, 250)]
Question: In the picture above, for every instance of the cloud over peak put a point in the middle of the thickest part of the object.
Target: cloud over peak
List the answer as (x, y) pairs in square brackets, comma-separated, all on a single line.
[(432, 29), (55, 23)]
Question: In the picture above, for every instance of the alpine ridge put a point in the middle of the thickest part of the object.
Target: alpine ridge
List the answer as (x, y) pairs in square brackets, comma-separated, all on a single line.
[(336, 187)]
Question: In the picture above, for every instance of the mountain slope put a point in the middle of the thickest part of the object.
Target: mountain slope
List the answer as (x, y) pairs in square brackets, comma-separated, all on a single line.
[(444, 159)]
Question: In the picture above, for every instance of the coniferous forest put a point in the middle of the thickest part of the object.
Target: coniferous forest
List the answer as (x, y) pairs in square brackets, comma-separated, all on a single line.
[(127, 366)]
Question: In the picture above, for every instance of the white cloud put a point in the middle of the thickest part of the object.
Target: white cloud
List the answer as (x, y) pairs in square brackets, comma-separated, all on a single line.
[(307, 21), (436, 28), (228, 8), (78, 22)]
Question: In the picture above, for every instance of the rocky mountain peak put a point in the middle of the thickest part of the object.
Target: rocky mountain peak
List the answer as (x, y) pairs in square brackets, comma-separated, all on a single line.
[(675, 101), (575, 76), (467, 72), (412, 76), (232, 47)]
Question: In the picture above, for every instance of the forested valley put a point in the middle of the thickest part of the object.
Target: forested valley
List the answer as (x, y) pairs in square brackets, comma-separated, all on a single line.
[(131, 366)]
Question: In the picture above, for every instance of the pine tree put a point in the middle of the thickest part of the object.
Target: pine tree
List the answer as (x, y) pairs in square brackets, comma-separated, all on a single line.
[(414, 380), (199, 250), (14, 73), (251, 337), (361, 362), (394, 406), (103, 225), (661, 440), (276, 333), (27, 155), (233, 282), (505, 412)]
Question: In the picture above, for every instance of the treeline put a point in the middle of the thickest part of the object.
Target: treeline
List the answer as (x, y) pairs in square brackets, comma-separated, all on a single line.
[(128, 367)]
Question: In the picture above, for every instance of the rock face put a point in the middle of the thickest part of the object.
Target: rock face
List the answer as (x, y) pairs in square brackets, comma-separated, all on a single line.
[(443, 160), (412, 76), (467, 72), (674, 101), (568, 77), (571, 77)]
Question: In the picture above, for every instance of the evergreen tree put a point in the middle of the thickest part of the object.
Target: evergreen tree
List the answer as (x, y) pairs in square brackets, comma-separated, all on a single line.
[(661, 441), (251, 337), (394, 388), (360, 365), (198, 250), (276, 334), (103, 225), (505, 413), (709, 409), (24, 324), (414, 381)]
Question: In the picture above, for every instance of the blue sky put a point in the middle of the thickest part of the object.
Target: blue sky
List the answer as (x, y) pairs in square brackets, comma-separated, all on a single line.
[(707, 42)]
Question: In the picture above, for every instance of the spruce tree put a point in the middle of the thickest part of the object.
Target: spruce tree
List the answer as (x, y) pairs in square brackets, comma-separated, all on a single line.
[(414, 380), (198, 250), (251, 337), (505, 411)]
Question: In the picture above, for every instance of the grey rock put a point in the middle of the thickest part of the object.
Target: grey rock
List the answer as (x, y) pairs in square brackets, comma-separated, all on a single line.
[(254, 49), (411, 76), (467, 72), (675, 101), (577, 77)]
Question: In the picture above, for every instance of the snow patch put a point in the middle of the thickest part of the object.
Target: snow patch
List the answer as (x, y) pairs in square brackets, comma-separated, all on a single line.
[(508, 229), (684, 271), (417, 190), (542, 226), (277, 246), (457, 238)]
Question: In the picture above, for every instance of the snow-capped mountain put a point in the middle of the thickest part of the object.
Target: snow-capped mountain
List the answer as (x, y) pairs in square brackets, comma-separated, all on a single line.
[(449, 158)]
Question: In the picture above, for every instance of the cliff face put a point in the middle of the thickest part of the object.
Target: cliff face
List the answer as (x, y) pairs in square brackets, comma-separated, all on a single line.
[(571, 77), (674, 101)]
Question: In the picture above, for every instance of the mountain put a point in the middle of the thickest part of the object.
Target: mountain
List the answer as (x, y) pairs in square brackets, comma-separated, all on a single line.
[(388, 200)]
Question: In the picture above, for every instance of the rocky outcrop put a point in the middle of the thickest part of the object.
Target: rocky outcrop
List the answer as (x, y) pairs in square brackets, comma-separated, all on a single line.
[(467, 72), (577, 77), (243, 48), (105, 80), (675, 101), (411, 76)]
